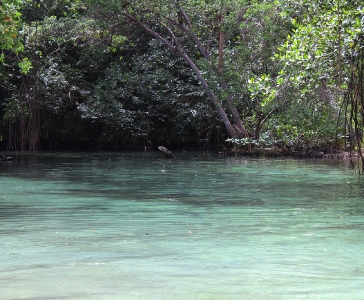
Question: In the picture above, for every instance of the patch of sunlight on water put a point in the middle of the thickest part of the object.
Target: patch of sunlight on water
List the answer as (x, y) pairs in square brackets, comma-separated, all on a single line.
[(138, 226)]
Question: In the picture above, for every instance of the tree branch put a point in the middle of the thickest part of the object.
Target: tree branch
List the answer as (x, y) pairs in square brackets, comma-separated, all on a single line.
[(179, 51), (189, 32), (148, 30)]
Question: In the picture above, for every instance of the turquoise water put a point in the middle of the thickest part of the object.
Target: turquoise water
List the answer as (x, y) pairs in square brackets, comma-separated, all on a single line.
[(138, 226)]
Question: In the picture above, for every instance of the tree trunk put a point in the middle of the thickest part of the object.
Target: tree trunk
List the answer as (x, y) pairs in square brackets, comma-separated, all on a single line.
[(177, 49), (238, 126), (261, 120), (221, 44), (235, 131)]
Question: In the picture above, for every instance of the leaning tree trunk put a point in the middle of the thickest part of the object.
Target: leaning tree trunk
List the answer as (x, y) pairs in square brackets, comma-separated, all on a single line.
[(235, 131), (237, 125)]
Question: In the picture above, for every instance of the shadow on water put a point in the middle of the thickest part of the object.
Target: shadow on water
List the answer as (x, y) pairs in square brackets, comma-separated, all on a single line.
[(192, 178)]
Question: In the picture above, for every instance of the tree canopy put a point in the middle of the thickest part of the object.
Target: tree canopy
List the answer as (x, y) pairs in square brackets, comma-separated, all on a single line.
[(187, 73)]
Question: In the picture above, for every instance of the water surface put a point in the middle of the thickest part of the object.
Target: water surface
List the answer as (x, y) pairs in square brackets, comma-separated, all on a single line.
[(139, 226)]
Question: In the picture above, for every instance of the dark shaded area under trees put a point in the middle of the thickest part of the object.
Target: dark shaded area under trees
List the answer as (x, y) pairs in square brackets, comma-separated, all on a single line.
[(224, 75)]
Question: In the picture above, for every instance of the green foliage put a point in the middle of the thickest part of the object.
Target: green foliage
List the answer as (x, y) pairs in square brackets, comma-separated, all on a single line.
[(153, 95), (251, 69), (25, 65), (322, 42), (38, 10), (9, 24), (286, 67), (318, 58)]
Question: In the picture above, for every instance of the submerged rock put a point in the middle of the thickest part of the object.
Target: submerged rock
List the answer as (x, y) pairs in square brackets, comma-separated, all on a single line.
[(166, 152)]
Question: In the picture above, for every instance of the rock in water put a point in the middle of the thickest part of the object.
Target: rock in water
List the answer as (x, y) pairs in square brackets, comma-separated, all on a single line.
[(166, 152), (5, 158)]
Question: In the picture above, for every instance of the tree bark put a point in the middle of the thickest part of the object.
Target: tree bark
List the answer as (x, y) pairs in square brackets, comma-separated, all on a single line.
[(262, 119)]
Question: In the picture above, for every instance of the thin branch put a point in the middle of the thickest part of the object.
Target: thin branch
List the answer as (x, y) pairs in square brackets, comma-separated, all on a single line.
[(185, 17), (189, 32), (148, 30)]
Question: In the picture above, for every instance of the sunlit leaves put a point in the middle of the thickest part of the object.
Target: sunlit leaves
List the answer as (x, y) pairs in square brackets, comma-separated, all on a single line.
[(9, 25), (25, 65), (318, 57), (322, 40)]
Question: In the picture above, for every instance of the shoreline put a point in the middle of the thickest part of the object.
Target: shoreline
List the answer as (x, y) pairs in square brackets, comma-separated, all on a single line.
[(276, 152)]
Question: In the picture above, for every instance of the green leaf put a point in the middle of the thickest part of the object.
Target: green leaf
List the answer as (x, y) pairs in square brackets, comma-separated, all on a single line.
[(25, 65)]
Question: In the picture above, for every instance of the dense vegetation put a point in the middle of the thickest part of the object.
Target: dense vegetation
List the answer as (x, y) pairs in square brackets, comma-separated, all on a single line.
[(131, 74)]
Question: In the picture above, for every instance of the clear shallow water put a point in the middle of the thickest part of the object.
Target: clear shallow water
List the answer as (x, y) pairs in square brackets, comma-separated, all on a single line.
[(138, 226)]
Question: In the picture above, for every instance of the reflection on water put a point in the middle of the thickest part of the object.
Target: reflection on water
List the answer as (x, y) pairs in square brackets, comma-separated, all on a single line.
[(138, 226)]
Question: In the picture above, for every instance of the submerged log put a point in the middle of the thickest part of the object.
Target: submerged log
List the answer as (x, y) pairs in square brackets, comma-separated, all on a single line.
[(166, 152), (5, 158)]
